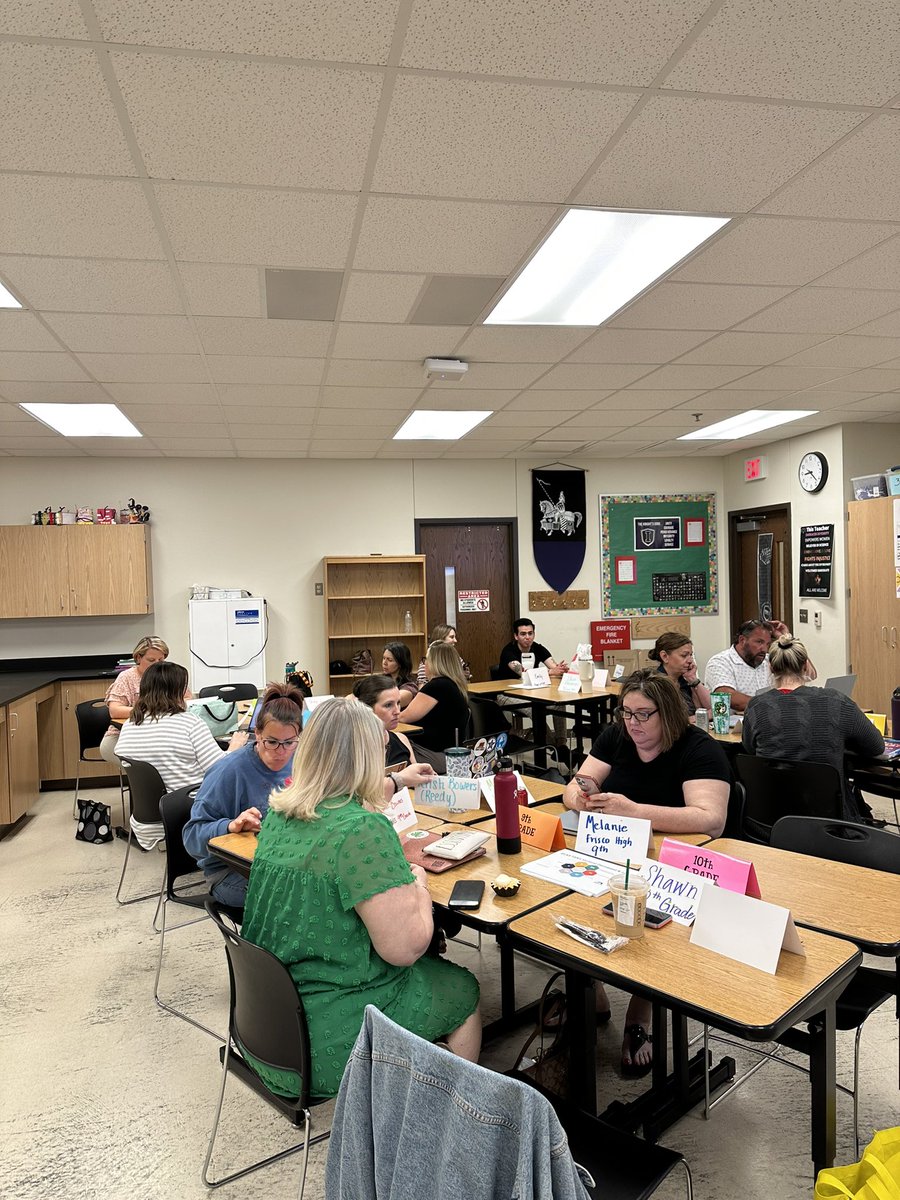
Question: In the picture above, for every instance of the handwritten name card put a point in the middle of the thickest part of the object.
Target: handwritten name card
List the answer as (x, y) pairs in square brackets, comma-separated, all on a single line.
[(616, 838), (537, 677), (570, 682), (459, 795), (400, 810), (733, 874), (673, 891)]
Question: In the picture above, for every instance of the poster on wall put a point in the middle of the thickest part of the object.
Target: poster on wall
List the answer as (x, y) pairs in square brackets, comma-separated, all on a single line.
[(558, 502), (816, 559), (764, 545)]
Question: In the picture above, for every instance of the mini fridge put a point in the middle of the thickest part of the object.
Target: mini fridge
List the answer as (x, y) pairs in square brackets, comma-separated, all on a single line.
[(228, 641)]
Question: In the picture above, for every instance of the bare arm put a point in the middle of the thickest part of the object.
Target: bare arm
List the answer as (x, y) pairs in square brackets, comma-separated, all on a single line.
[(418, 707), (410, 776), (705, 808), (574, 797), (556, 669), (399, 921), (119, 711), (701, 694)]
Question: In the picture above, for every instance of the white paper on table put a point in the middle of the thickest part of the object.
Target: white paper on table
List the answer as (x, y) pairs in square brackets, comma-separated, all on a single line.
[(600, 677), (745, 929), (487, 789), (618, 670), (570, 683), (565, 868), (617, 838), (400, 811)]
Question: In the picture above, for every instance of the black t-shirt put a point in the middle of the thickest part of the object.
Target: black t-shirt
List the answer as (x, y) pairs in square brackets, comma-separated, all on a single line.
[(512, 653), (694, 756), (395, 751), (446, 724)]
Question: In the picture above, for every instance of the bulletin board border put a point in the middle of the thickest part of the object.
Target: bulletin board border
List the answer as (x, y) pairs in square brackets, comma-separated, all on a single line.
[(609, 502)]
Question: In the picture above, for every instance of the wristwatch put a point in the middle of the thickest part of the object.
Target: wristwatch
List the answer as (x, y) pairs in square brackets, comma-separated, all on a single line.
[(696, 683)]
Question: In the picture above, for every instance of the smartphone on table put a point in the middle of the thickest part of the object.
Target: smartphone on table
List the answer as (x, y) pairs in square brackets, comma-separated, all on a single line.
[(466, 893), (653, 918)]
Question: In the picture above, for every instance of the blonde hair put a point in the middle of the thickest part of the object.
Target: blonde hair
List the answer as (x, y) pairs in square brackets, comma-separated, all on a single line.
[(443, 658), (788, 656), (340, 753), (149, 643)]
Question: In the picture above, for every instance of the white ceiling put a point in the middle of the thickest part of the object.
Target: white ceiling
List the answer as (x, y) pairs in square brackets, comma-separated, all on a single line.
[(156, 158)]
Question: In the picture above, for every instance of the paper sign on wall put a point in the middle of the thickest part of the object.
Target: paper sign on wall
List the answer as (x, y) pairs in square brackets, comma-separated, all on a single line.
[(459, 795), (745, 929), (400, 810), (487, 789), (541, 830), (570, 682), (673, 891), (734, 874), (615, 838)]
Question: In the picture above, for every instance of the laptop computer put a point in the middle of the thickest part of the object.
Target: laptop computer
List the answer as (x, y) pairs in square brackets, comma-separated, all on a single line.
[(486, 752), (842, 683)]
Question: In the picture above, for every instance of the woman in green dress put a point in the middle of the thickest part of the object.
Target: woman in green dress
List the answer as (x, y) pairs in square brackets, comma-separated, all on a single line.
[(333, 897)]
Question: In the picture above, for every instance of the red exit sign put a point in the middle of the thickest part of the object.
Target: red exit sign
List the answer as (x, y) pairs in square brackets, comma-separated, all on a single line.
[(755, 468), (610, 635)]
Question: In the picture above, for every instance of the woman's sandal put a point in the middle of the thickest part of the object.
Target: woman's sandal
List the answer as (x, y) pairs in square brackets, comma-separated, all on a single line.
[(637, 1036)]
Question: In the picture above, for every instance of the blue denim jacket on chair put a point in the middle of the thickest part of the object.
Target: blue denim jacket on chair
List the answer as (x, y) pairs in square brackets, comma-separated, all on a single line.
[(413, 1119)]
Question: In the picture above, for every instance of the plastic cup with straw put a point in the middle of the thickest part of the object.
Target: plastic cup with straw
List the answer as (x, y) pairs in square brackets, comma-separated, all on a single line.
[(629, 898)]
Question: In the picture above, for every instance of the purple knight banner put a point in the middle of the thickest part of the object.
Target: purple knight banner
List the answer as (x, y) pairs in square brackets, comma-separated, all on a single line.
[(557, 525)]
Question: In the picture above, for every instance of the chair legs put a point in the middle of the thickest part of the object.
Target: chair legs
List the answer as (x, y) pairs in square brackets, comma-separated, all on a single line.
[(147, 895), (304, 1146), (176, 1012)]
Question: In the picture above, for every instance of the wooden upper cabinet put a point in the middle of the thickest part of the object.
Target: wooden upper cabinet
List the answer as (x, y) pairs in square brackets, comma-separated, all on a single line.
[(74, 570)]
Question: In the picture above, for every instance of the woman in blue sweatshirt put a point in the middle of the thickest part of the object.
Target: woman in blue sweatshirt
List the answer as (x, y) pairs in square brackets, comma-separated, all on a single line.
[(234, 795)]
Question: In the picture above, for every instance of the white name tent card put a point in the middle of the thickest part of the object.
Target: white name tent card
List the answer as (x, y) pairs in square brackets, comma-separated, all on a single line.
[(600, 677), (748, 930), (459, 795), (619, 671), (400, 811), (615, 839), (487, 789), (537, 677), (570, 682), (310, 704), (673, 891)]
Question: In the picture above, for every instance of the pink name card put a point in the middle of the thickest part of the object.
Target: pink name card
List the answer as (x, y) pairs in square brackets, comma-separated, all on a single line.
[(733, 874)]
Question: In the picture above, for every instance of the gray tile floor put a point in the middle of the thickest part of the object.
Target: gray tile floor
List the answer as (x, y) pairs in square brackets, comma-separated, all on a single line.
[(103, 1096)]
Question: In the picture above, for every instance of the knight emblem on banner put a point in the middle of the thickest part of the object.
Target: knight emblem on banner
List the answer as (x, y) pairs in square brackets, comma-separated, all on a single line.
[(558, 536)]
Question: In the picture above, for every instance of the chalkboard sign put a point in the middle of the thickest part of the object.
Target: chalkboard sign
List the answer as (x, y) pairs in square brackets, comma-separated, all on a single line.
[(658, 555), (816, 555)]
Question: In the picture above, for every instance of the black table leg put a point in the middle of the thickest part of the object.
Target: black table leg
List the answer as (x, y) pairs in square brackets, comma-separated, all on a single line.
[(823, 1094), (581, 1013)]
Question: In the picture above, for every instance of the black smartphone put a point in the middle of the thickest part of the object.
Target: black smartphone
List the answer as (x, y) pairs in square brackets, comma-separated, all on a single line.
[(653, 918), (466, 893)]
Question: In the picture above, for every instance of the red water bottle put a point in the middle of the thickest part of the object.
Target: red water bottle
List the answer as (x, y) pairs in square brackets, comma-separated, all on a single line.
[(509, 839)]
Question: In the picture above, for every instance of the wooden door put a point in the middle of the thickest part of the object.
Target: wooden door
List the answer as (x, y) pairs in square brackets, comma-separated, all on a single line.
[(72, 692), (22, 747), (108, 569), (761, 584), (471, 556), (34, 573), (874, 605)]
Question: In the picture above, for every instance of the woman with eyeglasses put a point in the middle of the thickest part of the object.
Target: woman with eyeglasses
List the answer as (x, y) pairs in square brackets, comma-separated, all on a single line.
[(234, 795), (653, 763)]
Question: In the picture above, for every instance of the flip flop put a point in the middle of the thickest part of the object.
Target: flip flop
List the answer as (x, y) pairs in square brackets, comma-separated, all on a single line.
[(637, 1036)]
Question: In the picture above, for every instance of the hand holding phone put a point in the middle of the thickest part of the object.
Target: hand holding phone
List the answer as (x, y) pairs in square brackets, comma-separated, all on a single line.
[(588, 784), (466, 893)]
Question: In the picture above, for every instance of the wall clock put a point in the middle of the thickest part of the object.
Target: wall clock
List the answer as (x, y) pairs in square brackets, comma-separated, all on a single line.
[(813, 471)]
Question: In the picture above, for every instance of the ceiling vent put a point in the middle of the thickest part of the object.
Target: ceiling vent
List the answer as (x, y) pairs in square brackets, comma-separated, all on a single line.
[(448, 369)]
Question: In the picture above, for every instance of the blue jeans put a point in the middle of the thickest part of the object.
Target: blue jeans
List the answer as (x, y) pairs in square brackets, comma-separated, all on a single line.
[(230, 889)]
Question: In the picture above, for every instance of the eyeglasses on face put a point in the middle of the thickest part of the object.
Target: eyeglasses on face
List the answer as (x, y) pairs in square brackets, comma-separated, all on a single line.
[(274, 744), (641, 715)]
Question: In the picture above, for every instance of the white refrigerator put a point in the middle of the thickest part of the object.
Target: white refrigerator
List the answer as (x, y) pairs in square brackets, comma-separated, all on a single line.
[(228, 641)]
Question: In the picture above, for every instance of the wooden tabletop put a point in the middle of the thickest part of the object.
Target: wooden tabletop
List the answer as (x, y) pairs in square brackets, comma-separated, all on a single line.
[(557, 808), (853, 902), (541, 790), (404, 727), (552, 694), (489, 687), (665, 966)]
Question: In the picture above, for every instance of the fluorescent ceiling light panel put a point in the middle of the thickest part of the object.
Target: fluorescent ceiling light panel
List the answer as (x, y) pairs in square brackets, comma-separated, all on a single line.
[(595, 261), (83, 420), (752, 421), (7, 299), (434, 425)]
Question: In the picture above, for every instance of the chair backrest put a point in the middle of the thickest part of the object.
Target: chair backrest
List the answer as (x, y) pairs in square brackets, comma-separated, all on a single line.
[(839, 841), (146, 787), (230, 691), (486, 717), (174, 811), (266, 1015), (494, 671), (778, 788), (734, 820), (92, 717)]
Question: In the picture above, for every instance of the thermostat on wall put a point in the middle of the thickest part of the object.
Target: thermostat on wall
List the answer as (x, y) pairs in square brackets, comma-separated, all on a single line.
[(755, 468)]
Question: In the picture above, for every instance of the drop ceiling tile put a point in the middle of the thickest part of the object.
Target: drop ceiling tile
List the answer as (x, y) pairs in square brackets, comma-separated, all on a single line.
[(881, 402), (261, 228), (592, 425), (642, 435), (628, 44), (878, 268), (247, 335), (447, 236), (272, 448), (638, 345), (650, 398), (264, 418), (857, 180), (57, 112), (740, 399), (816, 398), (839, 51), (750, 349), (339, 445), (53, 392), (489, 452), (144, 415), (335, 398), (492, 140), (103, 333), (603, 377), (39, 366), (370, 419), (257, 369), (311, 29), (61, 448), (178, 452), (93, 285), (356, 373), (681, 378), (874, 379), (540, 399), (20, 330), (823, 310), (395, 342), (249, 122), (555, 445), (489, 376), (464, 401), (25, 426), (223, 290), (145, 368), (174, 394), (185, 444), (720, 403), (887, 326), (696, 306), (509, 343), (707, 155), (301, 451), (116, 447), (779, 250), (848, 352), (781, 378), (189, 430), (44, 18), (514, 419), (377, 296), (85, 218), (254, 396)]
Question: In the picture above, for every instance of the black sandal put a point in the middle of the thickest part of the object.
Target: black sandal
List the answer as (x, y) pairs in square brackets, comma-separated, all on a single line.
[(637, 1036)]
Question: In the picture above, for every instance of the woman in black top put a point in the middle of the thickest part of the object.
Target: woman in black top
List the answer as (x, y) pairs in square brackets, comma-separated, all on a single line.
[(379, 692), (653, 764), (396, 661), (675, 654), (442, 705)]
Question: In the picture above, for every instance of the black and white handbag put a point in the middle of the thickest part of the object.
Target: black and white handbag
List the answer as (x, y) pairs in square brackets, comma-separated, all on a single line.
[(93, 822)]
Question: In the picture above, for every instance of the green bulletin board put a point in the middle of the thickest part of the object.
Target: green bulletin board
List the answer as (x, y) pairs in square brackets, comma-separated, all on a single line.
[(658, 555)]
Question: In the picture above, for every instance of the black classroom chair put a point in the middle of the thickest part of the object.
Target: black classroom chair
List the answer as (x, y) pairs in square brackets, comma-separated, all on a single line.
[(776, 788), (92, 719)]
